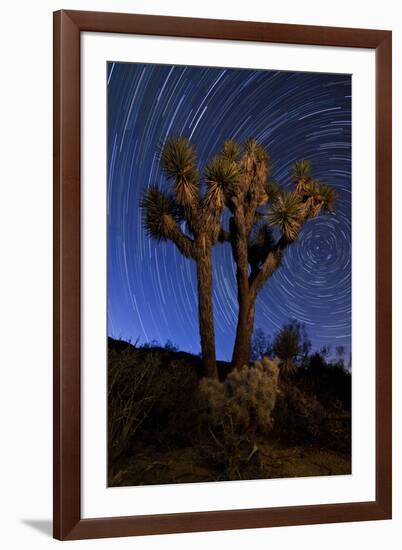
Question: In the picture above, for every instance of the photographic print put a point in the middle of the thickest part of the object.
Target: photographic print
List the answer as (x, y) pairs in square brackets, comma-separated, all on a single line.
[(229, 274)]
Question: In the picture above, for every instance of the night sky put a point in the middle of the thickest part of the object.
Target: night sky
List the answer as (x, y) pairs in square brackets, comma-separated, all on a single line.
[(151, 287)]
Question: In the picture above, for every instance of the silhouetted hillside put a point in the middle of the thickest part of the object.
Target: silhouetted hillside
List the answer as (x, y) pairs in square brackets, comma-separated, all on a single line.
[(166, 355)]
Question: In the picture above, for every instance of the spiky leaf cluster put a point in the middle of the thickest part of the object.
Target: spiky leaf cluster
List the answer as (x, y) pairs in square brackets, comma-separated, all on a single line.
[(323, 195), (222, 177), (301, 170), (160, 213), (231, 150), (285, 213), (287, 347), (273, 189), (255, 150), (179, 163), (301, 175)]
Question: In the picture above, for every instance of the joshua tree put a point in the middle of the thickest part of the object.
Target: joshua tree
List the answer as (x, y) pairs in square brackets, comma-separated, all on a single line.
[(265, 220), (290, 345), (200, 208)]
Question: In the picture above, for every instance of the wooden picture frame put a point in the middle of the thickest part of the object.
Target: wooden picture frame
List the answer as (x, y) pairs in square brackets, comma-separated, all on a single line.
[(68, 523)]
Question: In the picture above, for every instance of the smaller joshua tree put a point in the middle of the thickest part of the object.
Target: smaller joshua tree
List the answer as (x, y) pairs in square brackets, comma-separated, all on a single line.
[(200, 208), (287, 348)]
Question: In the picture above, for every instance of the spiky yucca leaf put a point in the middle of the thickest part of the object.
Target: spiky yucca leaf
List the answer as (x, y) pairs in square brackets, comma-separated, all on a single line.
[(214, 199), (289, 367), (231, 150), (273, 189), (286, 213), (159, 212), (221, 170), (255, 150), (222, 178), (179, 163), (287, 347), (323, 195), (301, 170), (178, 159)]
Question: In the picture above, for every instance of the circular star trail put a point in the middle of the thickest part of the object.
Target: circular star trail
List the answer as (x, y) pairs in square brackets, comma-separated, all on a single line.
[(151, 287)]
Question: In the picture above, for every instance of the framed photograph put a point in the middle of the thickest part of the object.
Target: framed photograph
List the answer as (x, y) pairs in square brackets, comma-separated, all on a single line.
[(222, 275)]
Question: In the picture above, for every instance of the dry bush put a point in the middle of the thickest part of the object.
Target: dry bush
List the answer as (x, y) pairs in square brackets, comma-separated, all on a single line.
[(235, 411), (132, 393), (148, 392), (300, 418), (174, 416)]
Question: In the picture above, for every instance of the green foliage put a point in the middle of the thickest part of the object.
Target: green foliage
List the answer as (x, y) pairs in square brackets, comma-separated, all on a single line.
[(273, 189), (255, 150), (316, 196), (285, 213), (231, 150), (301, 170), (235, 411), (178, 159), (159, 211), (323, 197), (222, 177), (247, 397), (287, 347), (291, 345), (179, 163)]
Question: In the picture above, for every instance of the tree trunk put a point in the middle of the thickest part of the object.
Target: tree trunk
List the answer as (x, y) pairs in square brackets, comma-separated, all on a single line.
[(205, 311), (244, 332)]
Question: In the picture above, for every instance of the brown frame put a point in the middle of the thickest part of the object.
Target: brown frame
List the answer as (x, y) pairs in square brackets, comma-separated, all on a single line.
[(68, 523)]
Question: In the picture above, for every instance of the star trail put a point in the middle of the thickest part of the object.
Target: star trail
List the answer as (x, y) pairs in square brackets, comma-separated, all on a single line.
[(151, 287)]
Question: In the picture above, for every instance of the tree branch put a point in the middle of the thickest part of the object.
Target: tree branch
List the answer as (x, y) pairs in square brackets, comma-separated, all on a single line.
[(176, 235), (269, 265), (267, 269)]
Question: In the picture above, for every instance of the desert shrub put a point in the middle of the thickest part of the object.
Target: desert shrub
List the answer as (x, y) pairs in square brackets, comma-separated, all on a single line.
[(300, 418), (151, 395), (132, 393), (174, 415), (232, 413), (337, 428), (331, 382)]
